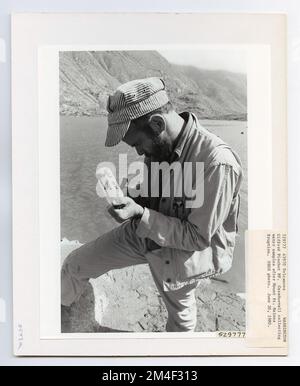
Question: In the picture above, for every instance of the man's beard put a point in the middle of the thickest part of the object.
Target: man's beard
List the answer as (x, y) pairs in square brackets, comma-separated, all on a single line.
[(162, 149)]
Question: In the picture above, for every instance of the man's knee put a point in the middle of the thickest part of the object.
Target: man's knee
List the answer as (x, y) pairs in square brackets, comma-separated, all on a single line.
[(71, 265), (72, 280), (84, 262)]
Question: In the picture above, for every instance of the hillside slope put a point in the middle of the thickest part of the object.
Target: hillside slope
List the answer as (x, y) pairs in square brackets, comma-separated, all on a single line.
[(88, 77)]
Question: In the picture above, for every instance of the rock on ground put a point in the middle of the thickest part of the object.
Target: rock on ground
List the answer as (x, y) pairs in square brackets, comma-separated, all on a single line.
[(127, 300)]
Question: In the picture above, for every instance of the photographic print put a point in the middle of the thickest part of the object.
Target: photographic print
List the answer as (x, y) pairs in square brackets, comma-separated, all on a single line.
[(154, 129), (156, 205)]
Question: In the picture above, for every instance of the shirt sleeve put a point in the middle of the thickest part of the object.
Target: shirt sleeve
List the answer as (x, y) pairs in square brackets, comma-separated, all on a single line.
[(195, 233)]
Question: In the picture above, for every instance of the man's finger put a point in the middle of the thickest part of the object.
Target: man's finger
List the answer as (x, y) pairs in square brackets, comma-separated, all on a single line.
[(119, 206), (118, 201), (113, 214)]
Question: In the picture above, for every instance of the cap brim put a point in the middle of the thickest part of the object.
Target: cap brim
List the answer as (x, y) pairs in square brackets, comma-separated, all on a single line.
[(115, 133)]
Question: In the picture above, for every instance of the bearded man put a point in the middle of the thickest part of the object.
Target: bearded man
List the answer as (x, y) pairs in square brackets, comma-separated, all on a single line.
[(182, 243)]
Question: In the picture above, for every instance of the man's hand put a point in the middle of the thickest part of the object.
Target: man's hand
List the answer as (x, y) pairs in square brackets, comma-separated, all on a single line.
[(124, 208)]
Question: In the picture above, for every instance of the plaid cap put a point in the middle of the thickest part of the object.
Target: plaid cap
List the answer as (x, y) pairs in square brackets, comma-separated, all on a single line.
[(132, 100)]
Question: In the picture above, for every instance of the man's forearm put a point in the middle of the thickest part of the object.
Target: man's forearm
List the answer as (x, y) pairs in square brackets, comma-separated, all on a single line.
[(170, 232)]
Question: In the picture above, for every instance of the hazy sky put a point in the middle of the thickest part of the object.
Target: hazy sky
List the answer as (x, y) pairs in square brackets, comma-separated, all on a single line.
[(212, 59)]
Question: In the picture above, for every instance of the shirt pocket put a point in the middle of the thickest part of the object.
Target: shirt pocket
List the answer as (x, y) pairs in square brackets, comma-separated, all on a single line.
[(192, 264)]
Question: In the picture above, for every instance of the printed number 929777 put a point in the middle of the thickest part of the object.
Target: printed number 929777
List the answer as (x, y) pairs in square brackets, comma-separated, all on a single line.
[(231, 334)]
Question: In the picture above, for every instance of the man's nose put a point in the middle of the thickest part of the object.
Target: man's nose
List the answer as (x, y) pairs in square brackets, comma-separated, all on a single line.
[(139, 150)]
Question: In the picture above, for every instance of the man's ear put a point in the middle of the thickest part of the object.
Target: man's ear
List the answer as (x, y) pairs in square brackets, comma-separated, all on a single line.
[(157, 123)]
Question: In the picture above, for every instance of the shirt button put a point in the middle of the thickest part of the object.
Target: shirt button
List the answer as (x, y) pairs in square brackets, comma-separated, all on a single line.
[(168, 280), (167, 262)]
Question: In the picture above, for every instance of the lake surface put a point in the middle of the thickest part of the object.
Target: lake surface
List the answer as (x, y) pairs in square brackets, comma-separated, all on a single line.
[(83, 215)]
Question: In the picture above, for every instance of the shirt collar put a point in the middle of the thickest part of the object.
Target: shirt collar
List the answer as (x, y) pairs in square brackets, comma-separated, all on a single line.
[(189, 123)]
